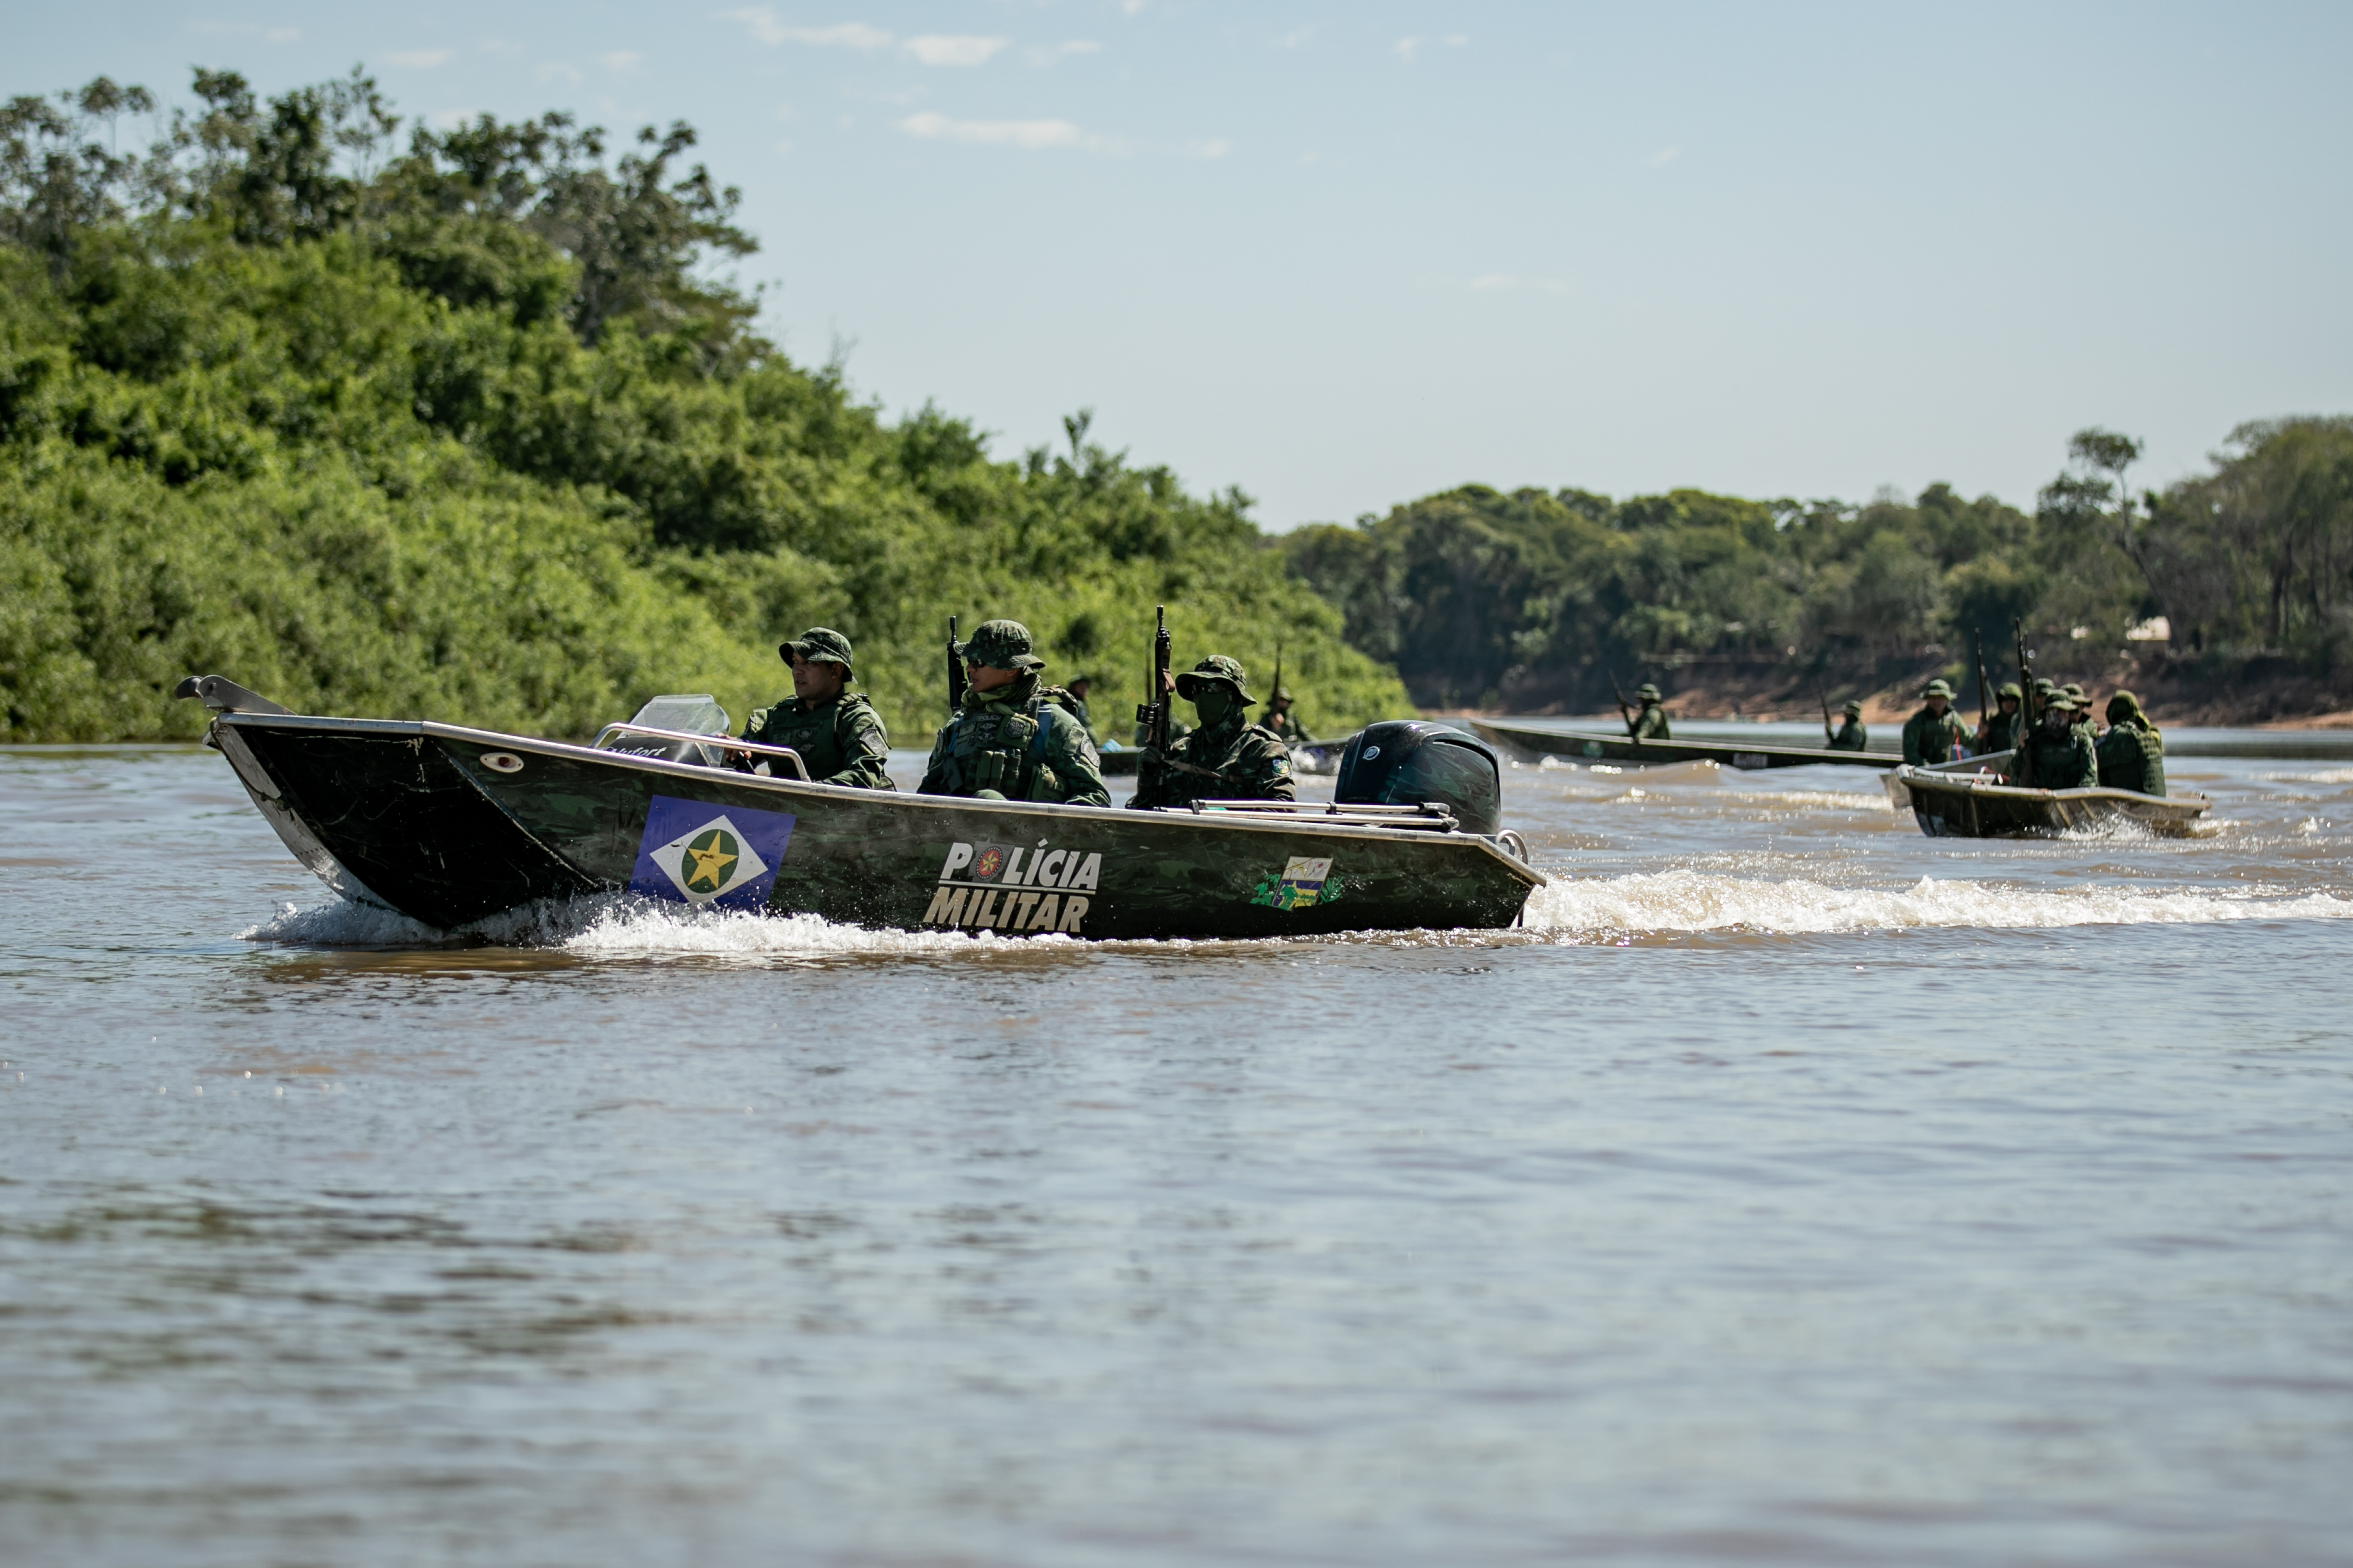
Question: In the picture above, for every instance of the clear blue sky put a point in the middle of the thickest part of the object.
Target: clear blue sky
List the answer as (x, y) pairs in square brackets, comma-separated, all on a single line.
[(1345, 255)]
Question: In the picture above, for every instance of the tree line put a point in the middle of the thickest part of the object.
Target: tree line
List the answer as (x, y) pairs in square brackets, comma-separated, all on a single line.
[(1483, 597), (467, 424)]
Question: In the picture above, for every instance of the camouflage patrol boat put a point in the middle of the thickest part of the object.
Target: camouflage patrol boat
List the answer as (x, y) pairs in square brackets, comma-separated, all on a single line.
[(1980, 803), (450, 826), (1590, 746)]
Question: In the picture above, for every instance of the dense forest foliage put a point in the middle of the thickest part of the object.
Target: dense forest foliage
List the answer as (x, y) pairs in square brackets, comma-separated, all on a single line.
[(463, 426), (1483, 597)]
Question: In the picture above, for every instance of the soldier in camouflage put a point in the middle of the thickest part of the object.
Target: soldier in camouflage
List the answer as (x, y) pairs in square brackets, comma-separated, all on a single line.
[(1010, 741), (1851, 736), (2131, 754), (1279, 721), (838, 734), (1934, 733), (1073, 699), (1999, 730), (1650, 723), (1227, 757), (2058, 751)]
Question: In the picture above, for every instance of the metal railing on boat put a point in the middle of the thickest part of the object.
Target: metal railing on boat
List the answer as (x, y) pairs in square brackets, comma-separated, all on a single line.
[(1429, 817), (721, 744)]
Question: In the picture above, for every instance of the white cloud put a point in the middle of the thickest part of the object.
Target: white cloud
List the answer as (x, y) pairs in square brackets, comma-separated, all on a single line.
[(1663, 157), (451, 119), (1055, 53), (1216, 147), (1293, 38), (555, 70), (1132, 7), (418, 59), (272, 35), (1031, 135), (766, 27), (1494, 280), (621, 60), (1406, 48), (953, 49)]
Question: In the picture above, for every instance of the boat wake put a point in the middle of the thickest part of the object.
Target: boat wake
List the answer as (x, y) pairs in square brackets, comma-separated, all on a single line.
[(1602, 908), (1593, 910)]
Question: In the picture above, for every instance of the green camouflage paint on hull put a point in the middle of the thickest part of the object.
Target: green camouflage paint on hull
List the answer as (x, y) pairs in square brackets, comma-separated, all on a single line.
[(448, 826)]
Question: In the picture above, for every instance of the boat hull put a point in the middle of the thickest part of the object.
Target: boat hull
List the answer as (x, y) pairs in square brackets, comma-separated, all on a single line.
[(1594, 747), (1981, 806), (412, 816)]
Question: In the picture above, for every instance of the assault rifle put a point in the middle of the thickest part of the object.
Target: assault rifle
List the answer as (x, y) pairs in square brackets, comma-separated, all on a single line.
[(1985, 685), (2022, 763), (956, 669), (1152, 716), (1276, 695), (1625, 708), (1828, 734)]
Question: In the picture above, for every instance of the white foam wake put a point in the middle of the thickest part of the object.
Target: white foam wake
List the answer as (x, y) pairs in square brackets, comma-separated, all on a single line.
[(1695, 901)]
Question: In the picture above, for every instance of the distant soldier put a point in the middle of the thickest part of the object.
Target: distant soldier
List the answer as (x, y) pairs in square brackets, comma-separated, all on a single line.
[(2058, 752), (1008, 741), (1999, 730), (838, 734), (1278, 717), (2132, 753), (2083, 720), (1851, 736), (1227, 757), (1650, 723), (1933, 734), (1073, 699)]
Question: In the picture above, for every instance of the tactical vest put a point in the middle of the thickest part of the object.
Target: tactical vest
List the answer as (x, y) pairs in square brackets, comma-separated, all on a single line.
[(812, 734), (1000, 749)]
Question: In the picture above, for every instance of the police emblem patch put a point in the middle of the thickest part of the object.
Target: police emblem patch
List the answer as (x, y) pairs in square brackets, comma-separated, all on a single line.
[(693, 852)]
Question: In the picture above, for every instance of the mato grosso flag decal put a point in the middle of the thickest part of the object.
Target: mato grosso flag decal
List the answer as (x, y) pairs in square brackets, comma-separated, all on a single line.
[(693, 852)]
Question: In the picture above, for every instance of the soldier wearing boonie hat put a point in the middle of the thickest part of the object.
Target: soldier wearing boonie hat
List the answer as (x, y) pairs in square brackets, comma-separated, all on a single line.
[(1650, 723), (1851, 736), (2057, 752), (1999, 730), (2132, 753), (1279, 719), (1226, 757), (838, 735), (1935, 733), (1008, 740)]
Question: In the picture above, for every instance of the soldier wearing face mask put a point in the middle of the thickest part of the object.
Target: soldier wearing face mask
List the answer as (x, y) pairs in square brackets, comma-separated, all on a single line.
[(1227, 757)]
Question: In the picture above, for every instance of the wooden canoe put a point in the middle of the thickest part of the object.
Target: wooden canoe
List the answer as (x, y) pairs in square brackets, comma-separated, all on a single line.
[(1986, 805)]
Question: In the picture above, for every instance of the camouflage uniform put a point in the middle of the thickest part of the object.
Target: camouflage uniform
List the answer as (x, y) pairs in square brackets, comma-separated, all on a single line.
[(1650, 723), (1228, 759), (2058, 752), (1280, 722), (841, 740), (1852, 735), (2132, 753), (1013, 743), (2001, 729), (1933, 737)]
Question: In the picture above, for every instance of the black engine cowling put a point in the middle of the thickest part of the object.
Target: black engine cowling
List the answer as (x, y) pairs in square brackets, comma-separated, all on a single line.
[(1406, 761)]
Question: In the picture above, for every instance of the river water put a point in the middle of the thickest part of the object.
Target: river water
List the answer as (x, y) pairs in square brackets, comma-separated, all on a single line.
[(1792, 1188)]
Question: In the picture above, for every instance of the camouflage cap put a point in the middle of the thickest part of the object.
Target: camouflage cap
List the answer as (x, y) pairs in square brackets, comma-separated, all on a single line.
[(1854, 709), (2044, 686), (818, 645), (1646, 693), (1937, 689), (2074, 691), (2060, 703), (1282, 694), (1219, 669), (2009, 689), (1001, 645)]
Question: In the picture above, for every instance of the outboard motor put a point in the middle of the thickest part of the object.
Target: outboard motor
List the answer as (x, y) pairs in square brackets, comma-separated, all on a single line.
[(698, 714), (1408, 762)]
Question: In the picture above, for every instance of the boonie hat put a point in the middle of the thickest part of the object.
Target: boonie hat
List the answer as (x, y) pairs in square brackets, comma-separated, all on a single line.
[(2122, 706), (1218, 668), (818, 645), (2009, 689), (1001, 645), (1854, 709), (1937, 689), (1647, 693)]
